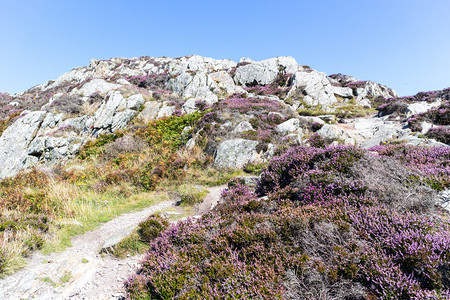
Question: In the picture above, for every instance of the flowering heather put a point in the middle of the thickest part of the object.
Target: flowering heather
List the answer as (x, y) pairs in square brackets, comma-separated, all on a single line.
[(283, 169), (433, 162), (150, 81), (429, 96), (318, 227), (316, 141), (411, 252), (266, 90), (201, 105), (244, 105), (440, 133), (355, 84), (400, 107), (278, 87)]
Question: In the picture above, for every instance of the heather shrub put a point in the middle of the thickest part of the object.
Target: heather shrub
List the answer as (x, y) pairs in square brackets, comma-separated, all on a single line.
[(245, 105), (26, 192), (388, 180), (201, 105), (152, 227), (440, 134), (319, 231), (5, 98), (316, 141), (123, 145), (69, 104), (16, 223), (151, 81), (315, 126), (431, 162), (166, 164), (397, 107), (284, 168)]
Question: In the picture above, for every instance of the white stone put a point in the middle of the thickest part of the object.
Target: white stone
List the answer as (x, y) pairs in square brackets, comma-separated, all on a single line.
[(96, 86), (150, 111), (104, 115), (420, 107), (310, 119), (372, 90), (344, 92), (189, 106), (333, 133), (243, 126), (225, 82), (76, 75), (15, 140), (444, 199), (425, 126), (319, 91), (134, 102), (264, 72), (290, 126), (234, 154), (122, 118), (166, 110)]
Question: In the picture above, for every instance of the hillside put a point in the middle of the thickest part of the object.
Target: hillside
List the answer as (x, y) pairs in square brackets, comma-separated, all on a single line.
[(337, 187)]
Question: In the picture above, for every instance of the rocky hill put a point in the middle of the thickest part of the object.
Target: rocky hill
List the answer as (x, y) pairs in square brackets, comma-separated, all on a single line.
[(314, 164), (50, 122)]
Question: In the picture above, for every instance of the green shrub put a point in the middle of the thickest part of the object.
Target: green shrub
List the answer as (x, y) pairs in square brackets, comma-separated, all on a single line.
[(95, 147), (191, 194), (171, 130), (131, 245), (3, 259), (254, 168), (152, 227), (33, 243)]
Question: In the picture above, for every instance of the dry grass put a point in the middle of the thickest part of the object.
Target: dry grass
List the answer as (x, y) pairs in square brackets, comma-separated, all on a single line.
[(89, 109)]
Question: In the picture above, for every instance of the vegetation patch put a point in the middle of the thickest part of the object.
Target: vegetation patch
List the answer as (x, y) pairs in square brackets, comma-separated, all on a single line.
[(130, 245), (440, 134), (312, 229), (192, 194)]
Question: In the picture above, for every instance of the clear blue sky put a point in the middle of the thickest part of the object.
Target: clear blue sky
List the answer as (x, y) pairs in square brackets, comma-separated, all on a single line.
[(402, 44)]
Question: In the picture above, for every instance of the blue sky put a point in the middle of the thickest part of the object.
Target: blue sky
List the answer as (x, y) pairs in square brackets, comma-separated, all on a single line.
[(402, 44)]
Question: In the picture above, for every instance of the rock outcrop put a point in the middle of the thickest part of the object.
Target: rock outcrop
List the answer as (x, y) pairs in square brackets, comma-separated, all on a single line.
[(235, 153), (59, 116)]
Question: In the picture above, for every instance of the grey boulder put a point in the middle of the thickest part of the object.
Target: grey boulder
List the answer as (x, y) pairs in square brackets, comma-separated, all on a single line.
[(234, 154), (14, 142)]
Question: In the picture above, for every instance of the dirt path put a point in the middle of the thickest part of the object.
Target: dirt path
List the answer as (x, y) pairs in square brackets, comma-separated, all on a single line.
[(88, 274)]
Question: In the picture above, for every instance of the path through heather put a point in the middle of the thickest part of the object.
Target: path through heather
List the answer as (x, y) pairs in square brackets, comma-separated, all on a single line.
[(91, 275)]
